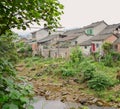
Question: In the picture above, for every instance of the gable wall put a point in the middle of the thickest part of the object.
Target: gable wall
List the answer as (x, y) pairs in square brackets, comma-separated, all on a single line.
[(99, 28)]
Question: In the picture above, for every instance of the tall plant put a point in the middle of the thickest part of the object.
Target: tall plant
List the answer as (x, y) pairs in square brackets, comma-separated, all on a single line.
[(76, 55)]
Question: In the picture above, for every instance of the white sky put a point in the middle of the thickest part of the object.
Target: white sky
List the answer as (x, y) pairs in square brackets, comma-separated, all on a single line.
[(78, 13)]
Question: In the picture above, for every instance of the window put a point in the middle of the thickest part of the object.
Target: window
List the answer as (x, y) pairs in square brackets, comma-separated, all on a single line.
[(89, 31), (76, 42), (85, 47), (97, 45)]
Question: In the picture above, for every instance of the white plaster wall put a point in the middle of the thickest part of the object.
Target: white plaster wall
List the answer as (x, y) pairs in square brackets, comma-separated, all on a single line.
[(85, 51), (99, 49), (83, 38), (41, 34)]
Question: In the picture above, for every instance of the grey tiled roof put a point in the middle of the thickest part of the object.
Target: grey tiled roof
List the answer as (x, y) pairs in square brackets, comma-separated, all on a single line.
[(48, 38), (74, 36), (108, 31), (88, 42), (110, 28), (82, 30), (92, 25), (72, 31), (101, 37)]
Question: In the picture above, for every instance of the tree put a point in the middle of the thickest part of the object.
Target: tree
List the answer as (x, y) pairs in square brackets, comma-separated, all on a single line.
[(22, 13)]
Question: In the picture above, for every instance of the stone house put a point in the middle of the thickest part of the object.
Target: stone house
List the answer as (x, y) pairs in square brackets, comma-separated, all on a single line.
[(43, 36), (109, 34), (74, 37), (80, 35)]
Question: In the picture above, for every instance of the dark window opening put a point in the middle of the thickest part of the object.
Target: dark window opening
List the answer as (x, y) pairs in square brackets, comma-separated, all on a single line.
[(97, 45), (85, 47), (76, 42)]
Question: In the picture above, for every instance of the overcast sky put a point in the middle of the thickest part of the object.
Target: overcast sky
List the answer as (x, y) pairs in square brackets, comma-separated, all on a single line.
[(78, 13)]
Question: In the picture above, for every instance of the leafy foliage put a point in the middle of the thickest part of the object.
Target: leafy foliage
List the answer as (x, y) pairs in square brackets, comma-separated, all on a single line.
[(24, 49), (12, 94), (22, 13), (99, 82), (8, 47), (68, 72), (87, 71), (76, 55), (108, 60), (107, 47)]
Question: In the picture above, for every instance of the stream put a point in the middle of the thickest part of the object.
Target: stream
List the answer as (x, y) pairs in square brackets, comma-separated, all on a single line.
[(42, 103)]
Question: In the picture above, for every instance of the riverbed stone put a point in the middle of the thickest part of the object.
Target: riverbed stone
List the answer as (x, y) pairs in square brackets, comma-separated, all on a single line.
[(83, 100), (99, 103), (94, 100)]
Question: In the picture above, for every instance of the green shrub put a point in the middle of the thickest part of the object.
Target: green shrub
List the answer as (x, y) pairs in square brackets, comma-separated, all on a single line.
[(107, 47), (68, 72), (108, 60), (115, 56), (87, 71), (22, 50), (76, 55), (99, 82), (12, 94)]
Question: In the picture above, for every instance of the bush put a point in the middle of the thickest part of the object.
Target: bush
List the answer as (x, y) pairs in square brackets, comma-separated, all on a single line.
[(12, 94), (115, 56), (21, 50), (99, 82), (76, 55), (68, 72), (88, 71), (108, 60), (107, 47)]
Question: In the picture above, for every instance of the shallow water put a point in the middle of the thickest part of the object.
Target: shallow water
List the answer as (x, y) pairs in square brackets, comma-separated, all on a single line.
[(42, 103)]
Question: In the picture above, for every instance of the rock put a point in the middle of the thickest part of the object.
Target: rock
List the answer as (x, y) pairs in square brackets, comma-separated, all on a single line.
[(99, 103), (64, 93), (47, 93), (36, 91), (71, 82), (118, 105), (38, 74), (83, 100), (42, 80), (63, 99), (94, 100), (76, 80), (42, 92), (33, 69)]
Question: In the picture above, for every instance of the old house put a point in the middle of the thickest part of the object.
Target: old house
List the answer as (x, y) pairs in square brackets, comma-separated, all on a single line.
[(78, 36), (43, 36), (109, 34), (83, 34), (68, 39)]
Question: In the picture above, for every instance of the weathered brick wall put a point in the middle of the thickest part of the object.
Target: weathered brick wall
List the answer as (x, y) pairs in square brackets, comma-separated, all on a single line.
[(111, 39)]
